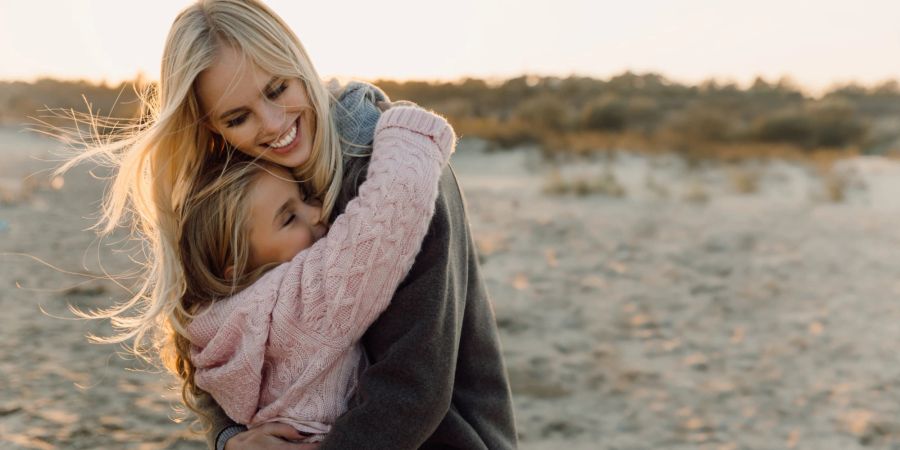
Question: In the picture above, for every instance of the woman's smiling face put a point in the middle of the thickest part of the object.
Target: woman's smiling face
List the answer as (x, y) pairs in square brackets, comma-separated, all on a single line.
[(259, 114)]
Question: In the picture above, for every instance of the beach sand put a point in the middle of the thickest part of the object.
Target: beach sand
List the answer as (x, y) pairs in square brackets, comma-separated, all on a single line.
[(679, 313)]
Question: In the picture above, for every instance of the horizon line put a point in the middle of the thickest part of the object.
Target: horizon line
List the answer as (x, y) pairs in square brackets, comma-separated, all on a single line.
[(790, 80)]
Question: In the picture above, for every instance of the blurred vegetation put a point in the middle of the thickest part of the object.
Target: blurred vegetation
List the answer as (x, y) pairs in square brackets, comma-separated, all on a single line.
[(22, 102), (646, 112), (638, 112)]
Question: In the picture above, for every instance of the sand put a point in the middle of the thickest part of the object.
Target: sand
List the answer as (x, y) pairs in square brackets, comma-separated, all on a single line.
[(678, 313)]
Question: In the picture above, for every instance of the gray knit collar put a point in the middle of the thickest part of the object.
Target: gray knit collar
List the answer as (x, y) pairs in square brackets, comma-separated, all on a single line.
[(355, 115)]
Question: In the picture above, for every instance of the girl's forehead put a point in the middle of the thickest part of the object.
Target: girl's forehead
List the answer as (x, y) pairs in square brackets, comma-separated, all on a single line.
[(271, 190)]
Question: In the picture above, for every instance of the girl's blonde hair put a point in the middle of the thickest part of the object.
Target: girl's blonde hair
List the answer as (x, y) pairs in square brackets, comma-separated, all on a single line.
[(158, 160), (213, 237)]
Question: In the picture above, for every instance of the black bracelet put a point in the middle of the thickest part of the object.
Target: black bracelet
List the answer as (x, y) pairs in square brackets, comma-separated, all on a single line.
[(227, 434)]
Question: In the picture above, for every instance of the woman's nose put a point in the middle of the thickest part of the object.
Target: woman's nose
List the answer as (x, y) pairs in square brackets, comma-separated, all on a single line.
[(273, 121)]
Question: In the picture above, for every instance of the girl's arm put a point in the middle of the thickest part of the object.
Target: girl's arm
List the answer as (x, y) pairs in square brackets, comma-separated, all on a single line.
[(347, 278)]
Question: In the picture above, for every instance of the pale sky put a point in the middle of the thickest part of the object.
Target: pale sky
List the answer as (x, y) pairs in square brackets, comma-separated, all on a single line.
[(816, 43)]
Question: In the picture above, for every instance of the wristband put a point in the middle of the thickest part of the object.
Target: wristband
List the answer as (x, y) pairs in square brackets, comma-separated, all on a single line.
[(227, 434)]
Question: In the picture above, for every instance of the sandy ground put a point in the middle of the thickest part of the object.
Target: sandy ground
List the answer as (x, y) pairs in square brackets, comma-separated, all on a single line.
[(680, 314)]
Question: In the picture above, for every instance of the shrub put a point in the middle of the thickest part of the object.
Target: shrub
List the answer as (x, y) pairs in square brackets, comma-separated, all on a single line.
[(545, 111), (827, 124), (836, 125), (605, 114), (789, 126), (502, 133)]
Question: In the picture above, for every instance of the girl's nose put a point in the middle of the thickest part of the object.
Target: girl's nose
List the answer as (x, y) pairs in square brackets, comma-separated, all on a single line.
[(315, 210)]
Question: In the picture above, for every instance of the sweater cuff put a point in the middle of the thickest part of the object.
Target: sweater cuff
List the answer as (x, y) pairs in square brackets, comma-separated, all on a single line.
[(227, 434), (422, 122)]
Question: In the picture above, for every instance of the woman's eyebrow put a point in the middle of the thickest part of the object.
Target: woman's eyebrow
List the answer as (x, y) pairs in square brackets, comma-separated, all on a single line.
[(265, 89)]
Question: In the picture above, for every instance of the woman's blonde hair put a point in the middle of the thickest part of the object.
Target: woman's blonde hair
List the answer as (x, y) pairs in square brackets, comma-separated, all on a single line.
[(158, 160)]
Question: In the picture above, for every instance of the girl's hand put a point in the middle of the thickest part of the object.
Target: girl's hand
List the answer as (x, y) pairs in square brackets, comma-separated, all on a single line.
[(270, 436)]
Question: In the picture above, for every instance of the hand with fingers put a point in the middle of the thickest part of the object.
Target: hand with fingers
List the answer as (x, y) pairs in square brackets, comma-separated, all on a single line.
[(270, 436)]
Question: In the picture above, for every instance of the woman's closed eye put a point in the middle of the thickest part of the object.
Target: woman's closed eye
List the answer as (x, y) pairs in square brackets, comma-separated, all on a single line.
[(231, 123), (271, 95), (289, 219), (275, 93)]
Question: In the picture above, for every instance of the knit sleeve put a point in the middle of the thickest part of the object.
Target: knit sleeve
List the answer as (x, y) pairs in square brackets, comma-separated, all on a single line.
[(344, 281), (228, 347)]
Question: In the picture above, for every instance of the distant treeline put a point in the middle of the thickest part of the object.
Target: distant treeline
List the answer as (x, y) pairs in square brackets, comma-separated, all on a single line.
[(22, 102), (579, 114)]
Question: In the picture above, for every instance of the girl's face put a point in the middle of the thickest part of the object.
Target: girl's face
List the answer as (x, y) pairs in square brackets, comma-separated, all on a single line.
[(261, 115), (280, 223)]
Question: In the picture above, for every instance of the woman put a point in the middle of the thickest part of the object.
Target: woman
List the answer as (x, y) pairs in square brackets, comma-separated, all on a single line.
[(234, 76)]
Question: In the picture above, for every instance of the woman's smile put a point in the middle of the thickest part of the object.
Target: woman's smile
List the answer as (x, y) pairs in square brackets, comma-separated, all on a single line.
[(288, 138), (287, 141)]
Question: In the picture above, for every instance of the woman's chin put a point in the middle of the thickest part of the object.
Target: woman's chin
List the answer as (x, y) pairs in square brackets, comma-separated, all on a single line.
[(295, 158), (291, 159)]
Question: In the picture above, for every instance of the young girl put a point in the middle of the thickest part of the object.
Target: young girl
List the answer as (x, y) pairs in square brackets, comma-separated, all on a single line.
[(235, 77), (285, 349)]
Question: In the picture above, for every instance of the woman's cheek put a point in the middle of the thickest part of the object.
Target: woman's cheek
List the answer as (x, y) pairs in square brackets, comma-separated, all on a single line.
[(241, 141), (247, 146)]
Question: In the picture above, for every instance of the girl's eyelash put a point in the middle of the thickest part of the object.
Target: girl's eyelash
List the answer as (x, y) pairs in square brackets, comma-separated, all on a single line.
[(290, 219)]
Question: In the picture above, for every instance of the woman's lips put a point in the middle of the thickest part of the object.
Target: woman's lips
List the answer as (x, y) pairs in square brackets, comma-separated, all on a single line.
[(287, 148)]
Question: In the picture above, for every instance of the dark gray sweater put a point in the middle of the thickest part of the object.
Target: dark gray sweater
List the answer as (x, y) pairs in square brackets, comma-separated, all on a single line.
[(436, 379)]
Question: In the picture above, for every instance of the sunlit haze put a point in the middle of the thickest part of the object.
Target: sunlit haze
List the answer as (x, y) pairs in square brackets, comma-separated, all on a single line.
[(816, 43)]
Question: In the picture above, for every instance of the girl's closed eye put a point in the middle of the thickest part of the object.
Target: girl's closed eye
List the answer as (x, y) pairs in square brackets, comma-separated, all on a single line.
[(289, 219)]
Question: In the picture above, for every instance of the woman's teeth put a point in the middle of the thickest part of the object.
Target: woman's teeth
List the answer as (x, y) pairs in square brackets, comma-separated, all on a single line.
[(286, 139)]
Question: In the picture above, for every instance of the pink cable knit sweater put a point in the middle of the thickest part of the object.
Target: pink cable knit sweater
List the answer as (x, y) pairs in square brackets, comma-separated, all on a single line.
[(286, 349)]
